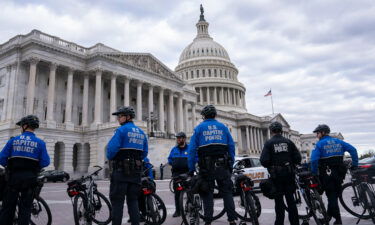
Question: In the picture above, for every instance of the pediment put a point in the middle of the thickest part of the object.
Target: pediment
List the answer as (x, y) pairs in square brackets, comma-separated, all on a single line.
[(145, 61), (279, 118)]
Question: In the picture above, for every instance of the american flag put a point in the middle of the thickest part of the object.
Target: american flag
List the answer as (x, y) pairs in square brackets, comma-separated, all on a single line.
[(269, 93)]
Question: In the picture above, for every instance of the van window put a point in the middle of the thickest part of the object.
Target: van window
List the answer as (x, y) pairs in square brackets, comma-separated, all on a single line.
[(255, 162)]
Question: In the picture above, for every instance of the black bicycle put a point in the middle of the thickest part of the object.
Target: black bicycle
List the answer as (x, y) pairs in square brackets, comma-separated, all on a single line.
[(191, 204), (154, 210), (40, 211), (89, 205), (358, 195), (309, 201), (249, 205)]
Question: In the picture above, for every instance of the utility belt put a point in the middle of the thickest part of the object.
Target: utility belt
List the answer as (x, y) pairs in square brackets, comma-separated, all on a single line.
[(333, 170), (281, 170), (213, 162), (128, 166)]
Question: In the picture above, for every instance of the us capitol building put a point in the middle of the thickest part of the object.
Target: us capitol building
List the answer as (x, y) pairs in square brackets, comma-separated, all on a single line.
[(73, 90)]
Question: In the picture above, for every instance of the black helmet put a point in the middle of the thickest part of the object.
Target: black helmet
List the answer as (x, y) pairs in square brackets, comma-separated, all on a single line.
[(209, 111), (126, 111), (322, 128), (30, 120), (181, 134), (276, 127)]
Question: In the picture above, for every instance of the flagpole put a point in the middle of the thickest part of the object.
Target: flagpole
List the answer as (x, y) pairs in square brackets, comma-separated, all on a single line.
[(272, 105)]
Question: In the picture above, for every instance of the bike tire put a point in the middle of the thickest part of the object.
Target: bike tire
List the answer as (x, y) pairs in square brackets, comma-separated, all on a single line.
[(183, 202), (40, 205), (252, 208), (301, 215), (101, 198), (349, 186), (154, 204), (371, 203), (79, 209), (216, 196), (316, 200)]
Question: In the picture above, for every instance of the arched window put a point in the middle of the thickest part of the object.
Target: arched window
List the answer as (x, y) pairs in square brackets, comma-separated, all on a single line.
[(197, 73), (215, 74), (191, 74)]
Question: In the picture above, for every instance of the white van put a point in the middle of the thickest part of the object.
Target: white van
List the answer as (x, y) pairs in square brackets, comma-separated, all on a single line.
[(252, 168)]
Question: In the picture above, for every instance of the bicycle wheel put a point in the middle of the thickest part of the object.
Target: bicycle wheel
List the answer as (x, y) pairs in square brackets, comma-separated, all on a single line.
[(103, 209), (156, 212), (185, 204), (252, 208), (349, 199), (318, 209), (301, 200), (79, 209), (171, 186), (219, 210), (370, 196), (40, 212)]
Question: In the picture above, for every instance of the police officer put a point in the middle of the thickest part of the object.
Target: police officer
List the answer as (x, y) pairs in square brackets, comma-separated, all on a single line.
[(327, 161), (214, 145), (178, 159), (126, 150), (23, 156), (279, 156)]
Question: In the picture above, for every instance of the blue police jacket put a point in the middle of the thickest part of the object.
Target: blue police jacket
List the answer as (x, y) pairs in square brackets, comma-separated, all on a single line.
[(178, 152), (26, 146), (148, 166), (127, 136), (209, 132), (330, 147)]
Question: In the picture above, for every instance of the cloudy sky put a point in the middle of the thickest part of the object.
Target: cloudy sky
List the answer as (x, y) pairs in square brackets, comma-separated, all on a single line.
[(318, 56)]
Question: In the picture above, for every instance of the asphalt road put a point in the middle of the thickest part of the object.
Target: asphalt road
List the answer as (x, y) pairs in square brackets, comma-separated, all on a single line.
[(62, 210)]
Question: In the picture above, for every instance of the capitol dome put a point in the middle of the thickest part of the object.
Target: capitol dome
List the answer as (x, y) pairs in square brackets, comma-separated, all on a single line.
[(205, 64)]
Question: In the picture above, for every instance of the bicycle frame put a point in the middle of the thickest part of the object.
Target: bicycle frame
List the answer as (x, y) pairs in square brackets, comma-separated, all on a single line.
[(359, 184)]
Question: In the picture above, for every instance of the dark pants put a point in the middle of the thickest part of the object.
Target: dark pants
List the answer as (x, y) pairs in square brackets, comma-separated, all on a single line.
[(332, 186), (285, 187), (119, 188), (333, 204), (176, 197), (225, 185), (24, 199)]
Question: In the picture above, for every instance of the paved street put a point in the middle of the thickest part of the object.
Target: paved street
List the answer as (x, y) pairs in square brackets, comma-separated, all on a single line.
[(62, 210)]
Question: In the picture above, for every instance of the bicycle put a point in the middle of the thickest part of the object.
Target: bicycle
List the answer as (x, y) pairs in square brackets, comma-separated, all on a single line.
[(88, 201), (248, 200), (191, 203), (361, 193), (154, 211), (40, 211), (309, 201)]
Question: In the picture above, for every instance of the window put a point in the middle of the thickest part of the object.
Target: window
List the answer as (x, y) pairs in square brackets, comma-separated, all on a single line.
[(197, 73), (255, 162), (1, 108), (192, 74)]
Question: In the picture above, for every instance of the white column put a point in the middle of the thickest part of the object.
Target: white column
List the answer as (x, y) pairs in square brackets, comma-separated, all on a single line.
[(113, 98), (180, 119), (248, 138), (244, 100), (239, 140), (51, 91), (126, 91), (98, 97), (31, 86), (67, 165), (259, 141), (139, 101), (185, 127), (150, 105), (69, 97), (85, 100), (222, 96), (230, 102), (161, 110), (10, 100), (171, 113), (237, 97), (193, 115), (208, 95), (252, 139), (201, 95), (215, 96)]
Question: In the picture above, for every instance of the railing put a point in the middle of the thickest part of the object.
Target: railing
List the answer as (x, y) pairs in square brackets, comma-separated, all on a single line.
[(46, 38)]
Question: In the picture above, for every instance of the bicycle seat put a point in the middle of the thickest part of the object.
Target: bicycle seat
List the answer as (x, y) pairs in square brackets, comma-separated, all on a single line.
[(305, 174)]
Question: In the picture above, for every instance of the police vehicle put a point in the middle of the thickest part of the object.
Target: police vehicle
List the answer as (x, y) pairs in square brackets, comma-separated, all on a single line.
[(252, 168)]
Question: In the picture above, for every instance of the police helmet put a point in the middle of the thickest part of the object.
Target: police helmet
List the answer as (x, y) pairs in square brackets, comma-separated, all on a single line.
[(209, 111), (181, 134), (276, 127), (30, 120), (126, 111), (322, 128)]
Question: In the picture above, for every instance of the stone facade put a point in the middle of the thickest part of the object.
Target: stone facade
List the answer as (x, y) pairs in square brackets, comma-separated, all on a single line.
[(74, 89)]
